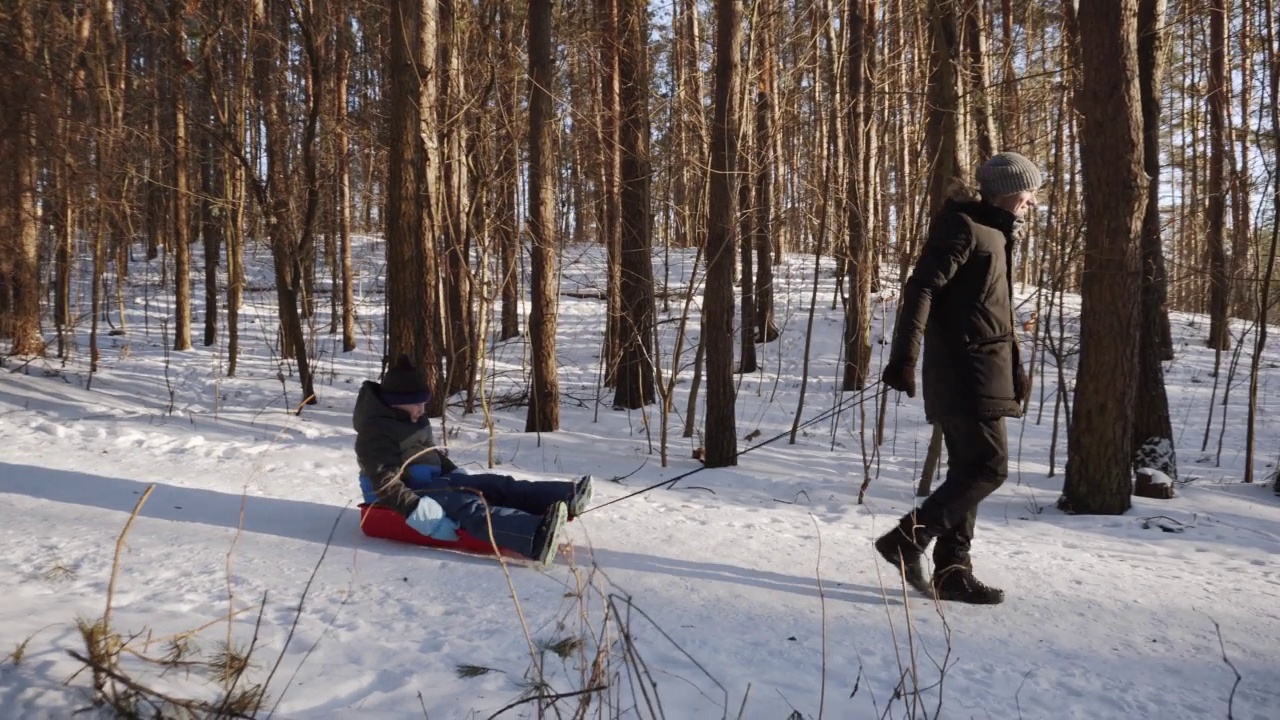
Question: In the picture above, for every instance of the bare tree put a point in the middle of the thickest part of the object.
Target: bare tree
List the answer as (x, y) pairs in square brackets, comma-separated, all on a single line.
[(765, 146), (19, 224), (857, 324), (1219, 279), (455, 228), (721, 435), (342, 200), (270, 62), (544, 400), (635, 374), (178, 174), (412, 297), (1151, 424), (211, 231), (1100, 440), (507, 180), (610, 121)]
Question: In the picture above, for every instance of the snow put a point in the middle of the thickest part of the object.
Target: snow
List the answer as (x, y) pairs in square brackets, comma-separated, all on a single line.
[(753, 587)]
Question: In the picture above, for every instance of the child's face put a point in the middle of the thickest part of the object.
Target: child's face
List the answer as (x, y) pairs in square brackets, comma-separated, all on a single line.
[(415, 410)]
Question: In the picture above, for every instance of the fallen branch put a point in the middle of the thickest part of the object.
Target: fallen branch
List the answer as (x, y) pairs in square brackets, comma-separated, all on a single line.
[(555, 696), (1231, 699)]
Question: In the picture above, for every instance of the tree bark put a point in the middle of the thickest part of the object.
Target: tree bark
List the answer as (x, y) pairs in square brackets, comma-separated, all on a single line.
[(635, 375), (412, 310), (342, 202), (1151, 423), (1219, 278), (19, 265), (975, 40), (610, 180), (269, 71), (211, 227), (179, 208), (746, 244), (945, 142), (456, 228), (720, 436), (1100, 440), (544, 400), (857, 324), (507, 226), (763, 227)]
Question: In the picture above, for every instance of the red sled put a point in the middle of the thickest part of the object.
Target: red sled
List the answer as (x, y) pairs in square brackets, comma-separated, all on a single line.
[(382, 522)]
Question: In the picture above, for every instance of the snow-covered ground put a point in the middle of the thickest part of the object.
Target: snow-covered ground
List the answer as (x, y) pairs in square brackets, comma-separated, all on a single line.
[(747, 592)]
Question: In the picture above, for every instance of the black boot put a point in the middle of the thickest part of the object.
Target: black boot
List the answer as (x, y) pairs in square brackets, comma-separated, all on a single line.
[(903, 547), (957, 583)]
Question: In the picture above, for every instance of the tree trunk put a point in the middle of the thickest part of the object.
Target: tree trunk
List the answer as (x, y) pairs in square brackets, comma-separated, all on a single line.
[(179, 208), (945, 142), (19, 261), (211, 226), (610, 176), (312, 36), (342, 203), (63, 221), (544, 400), (746, 243), (507, 226), (975, 40), (1219, 278), (721, 436), (412, 312), (1100, 440), (1264, 295), (233, 192), (1151, 423), (1243, 251), (269, 71), (857, 325), (457, 278), (634, 386), (763, 227)]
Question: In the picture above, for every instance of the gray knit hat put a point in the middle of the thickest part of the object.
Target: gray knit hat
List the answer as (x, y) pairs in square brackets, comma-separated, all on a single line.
[(1008, 173)]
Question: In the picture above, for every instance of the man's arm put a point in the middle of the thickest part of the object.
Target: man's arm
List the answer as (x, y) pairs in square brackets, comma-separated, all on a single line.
[(946, 249)]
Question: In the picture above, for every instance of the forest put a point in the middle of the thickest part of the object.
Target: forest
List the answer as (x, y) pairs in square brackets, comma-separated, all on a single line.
[(478, 139)]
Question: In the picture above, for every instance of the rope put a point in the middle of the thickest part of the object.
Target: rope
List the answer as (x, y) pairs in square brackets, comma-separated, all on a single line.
[(851, 401)]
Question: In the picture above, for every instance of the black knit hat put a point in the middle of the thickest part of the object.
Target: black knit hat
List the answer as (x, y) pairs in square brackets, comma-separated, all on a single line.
[(1008, 173), (404, 384)]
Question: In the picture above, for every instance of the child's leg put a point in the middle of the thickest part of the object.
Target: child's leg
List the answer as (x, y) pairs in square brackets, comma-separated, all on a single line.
[(512, 529), (505, 491)]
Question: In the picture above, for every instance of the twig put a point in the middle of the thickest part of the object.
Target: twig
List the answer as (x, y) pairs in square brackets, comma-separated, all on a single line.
[(298, 615), (1231, 699), (1016, 702), (743, 707), (115, 562), (235, 678), (822, 603), (139, 688), (542, 696)]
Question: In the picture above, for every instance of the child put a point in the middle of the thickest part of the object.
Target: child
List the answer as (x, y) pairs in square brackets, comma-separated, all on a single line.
[(435, 497)]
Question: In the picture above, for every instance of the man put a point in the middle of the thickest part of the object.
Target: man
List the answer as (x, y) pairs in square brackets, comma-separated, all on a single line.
[(959, 297)]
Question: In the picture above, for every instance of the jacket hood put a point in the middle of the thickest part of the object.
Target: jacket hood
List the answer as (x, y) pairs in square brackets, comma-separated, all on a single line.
[(371, 408), (984, 213)]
